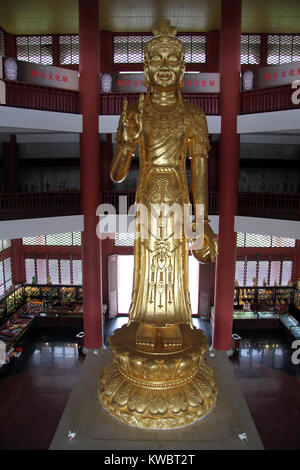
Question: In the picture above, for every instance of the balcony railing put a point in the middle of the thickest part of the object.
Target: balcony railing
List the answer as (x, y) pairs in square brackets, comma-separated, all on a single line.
[(51, 204), (52, 99), (113, 198), (273, 206), (269, 99), (111, 103), (21, 95), (44, 204)]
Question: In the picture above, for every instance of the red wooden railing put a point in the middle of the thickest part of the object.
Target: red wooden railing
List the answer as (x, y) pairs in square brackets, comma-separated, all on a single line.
[(27, 205), (111, 103), (209, 102), (269, 99), (112, 197), (270, 205), (21, 95), (44, 204), (52, 99)]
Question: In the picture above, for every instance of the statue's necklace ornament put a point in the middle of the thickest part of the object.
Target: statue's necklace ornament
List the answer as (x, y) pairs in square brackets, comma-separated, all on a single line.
[(159, 378), (163, 124)]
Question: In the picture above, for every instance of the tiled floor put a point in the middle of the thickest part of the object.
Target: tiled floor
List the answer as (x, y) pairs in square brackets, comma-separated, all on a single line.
[(271, 385), (35, 388)]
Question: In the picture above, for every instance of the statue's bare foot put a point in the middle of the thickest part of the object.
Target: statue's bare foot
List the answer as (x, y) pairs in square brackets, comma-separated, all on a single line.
[(146, 335), (171, 336)]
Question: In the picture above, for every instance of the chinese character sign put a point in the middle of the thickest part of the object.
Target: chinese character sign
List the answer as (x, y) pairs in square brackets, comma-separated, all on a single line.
[(276, 75), (38, 74), (194, 82)]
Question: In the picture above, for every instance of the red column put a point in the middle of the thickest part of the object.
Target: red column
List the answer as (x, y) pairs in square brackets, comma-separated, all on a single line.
[(12, 185), (10, 45), (106, 52), (296, 264), (90, 171), (106, 150), (213, 167), (18, 262), (55, 50), (264, 50), (229, 169), (213, 51)]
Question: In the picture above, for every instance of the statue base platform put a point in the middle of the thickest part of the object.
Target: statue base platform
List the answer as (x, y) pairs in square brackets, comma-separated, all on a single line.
[(161, 387), (86, 424)]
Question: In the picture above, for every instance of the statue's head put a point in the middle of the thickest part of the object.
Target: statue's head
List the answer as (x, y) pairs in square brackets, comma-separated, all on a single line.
[(164, 64)]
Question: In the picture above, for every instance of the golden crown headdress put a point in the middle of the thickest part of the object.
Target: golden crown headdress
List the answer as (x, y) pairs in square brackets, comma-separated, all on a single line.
[(164, 34), (165, 28)]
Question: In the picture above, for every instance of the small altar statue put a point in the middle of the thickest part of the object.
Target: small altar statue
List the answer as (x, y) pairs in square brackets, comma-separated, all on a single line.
[(159, 378)]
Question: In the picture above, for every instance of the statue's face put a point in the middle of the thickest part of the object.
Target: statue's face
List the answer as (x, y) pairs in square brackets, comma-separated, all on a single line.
[(165, 67)]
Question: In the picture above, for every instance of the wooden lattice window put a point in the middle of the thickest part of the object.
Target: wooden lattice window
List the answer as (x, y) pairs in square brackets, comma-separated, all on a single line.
[(124, 239), (263, 272), (270, 271), (4, 244), (56, 239), (250, 48), (2, 42), (5, 276), (194, 47), (283, 48), (37, 49), (61, 271), (258, 240), (129, 48), (68, 49)]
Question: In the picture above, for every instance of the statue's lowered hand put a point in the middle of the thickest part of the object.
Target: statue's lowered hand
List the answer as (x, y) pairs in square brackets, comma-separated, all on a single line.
[(209, 250)]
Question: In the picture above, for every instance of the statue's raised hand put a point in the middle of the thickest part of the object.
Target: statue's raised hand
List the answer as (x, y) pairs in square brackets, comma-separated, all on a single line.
[(131, 125)]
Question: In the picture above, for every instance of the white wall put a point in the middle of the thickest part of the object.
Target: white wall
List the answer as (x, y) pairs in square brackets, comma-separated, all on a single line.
[(263, 226), (269, 122), (11, 229), (20, 120)]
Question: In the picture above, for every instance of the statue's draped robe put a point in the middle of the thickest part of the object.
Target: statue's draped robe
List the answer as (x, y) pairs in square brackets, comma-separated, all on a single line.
[(160, 288)]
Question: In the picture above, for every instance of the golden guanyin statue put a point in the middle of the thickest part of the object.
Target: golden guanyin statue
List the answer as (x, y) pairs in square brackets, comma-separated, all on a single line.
[(159, 377)]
